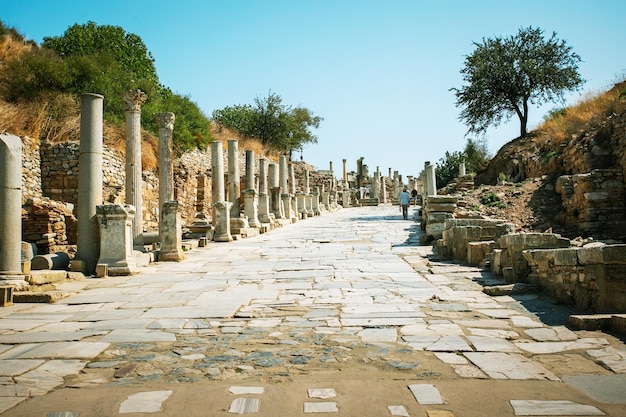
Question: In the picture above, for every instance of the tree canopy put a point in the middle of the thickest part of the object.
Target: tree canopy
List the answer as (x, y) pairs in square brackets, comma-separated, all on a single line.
[(475, 155), (271, 122), (105, 60), (505, 74)]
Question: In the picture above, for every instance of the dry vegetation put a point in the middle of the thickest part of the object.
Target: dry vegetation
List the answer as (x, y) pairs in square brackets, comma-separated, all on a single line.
[(590, 111)]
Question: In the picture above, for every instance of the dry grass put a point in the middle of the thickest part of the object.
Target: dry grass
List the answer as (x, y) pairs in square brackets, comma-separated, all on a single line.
[(11, 48), (590, 111), (224, 134)]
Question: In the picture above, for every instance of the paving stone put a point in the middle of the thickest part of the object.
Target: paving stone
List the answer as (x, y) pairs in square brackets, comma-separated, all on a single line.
[(468, 371), (611, 358), (426, 394), (603, 388), (556, 347), (450, 344), (243, 405), (138, 335), (57, 350), (499, 365), (398, 410), (145, 402), (7, 403), (62, 414), (241, 390), (553, 408), (13, 367), (320, 407), (491, 344), (322, 393), (439, 413), (451, 358), (378, 335)]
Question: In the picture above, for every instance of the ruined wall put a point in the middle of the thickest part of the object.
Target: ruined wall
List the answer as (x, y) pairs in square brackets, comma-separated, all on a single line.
[(595, 202), (592, 278), (50, 175)]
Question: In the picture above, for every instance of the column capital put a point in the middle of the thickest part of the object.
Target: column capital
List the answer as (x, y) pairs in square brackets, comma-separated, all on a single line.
[(165, 120), (133, 99)]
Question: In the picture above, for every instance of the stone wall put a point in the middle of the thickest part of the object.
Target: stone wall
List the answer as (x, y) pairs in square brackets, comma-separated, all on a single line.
[(595, 203), (50, 175), (592, 278)]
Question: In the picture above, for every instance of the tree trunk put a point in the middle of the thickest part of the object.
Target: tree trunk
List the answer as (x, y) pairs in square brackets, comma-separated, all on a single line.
[(523, 118)]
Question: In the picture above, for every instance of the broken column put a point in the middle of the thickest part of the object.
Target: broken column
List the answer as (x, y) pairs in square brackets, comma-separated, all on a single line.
[(308, 197), (276, 203), (221, 208), (461, 169), (251, 205), (292, 193), (11, 203), (345, 175), (170, 232), (132, 107), (116, 238), (315, 201), (89, 183), (234, 190)]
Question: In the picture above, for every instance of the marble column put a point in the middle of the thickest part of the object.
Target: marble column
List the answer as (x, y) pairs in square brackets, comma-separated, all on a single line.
[(396, 187), (89, 183), (165, 122), (461, 169), (221, 208), (383, 190), (345, 174), (234, 190), (251, 204), (308, 197), (264, 204), (276, 203), (134, 193), (11, 207), (171, 233), (432, 181), (376, 185), (294, 209), (284, 196), (116, 238)]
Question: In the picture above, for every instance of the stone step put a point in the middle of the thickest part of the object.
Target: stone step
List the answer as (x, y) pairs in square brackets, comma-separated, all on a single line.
[(46, 277), (46, 297)]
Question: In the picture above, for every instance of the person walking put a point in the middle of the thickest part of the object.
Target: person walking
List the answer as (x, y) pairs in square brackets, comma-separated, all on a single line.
[(404, 199), (414, 196)]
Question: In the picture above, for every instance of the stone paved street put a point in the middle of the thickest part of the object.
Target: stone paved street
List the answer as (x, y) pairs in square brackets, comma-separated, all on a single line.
[(340, 314)]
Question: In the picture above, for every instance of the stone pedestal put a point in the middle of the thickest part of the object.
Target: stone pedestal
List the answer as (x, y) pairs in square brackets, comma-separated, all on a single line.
[(301, 205), (251, 208), (315, 202), (10, 206), (308, 205), (116, 240), (171, 233), (89, 182), (221, 221), (326, 200)]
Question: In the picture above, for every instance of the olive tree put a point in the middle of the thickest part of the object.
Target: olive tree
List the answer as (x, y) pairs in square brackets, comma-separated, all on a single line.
[(505, 74)]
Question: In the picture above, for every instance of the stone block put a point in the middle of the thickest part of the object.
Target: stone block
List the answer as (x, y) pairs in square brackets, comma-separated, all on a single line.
[(6, 295), (566, 257), (614, 254), (618, 323), (101, 270), (476, 251), (589, 321), (26, 267), (78, 266), (591, 255), (442, 199), (56, 261), (509, 274), (46, 277)]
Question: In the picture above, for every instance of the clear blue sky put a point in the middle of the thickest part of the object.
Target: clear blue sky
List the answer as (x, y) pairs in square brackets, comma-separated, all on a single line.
[(378, 72)]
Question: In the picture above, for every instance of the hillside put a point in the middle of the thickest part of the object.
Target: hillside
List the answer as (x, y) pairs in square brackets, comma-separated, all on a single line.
[(520, 181)]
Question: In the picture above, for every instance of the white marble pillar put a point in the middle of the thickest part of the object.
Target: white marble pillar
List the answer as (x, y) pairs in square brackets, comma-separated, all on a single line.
[(221, 208), (10, 207), (251, 203), (165, 122), (315, 201), (116, 238), (376, 185), (345, 172), (134, 196), (264, 204), (89, 182), (432, 180), (396, 187), (234, 190), (285, 196), (383, 190), (461, 169), (275, 202)]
